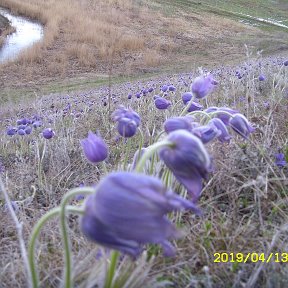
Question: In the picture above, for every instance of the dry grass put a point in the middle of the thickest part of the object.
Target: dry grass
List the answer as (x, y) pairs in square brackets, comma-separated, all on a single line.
[(84, 36)]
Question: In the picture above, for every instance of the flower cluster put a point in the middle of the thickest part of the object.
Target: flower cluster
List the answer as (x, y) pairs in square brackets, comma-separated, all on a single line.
[(127, 121)]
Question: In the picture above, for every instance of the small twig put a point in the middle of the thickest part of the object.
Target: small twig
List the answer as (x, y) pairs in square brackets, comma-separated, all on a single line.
[(19, 227)]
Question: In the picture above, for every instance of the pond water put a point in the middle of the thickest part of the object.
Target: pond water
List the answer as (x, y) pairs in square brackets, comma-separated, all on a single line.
[(27, 33)]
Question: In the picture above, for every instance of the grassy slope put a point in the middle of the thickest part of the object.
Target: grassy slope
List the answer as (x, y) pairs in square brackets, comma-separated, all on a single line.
[(188, 46)]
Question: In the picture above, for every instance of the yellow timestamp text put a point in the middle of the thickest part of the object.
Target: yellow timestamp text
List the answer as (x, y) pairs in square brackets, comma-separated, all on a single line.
[(225, 257)]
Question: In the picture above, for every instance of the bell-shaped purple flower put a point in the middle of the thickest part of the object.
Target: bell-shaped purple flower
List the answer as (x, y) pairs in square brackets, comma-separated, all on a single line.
[(21, 132), (176, 123), (202, 86), (164, 88), (123, 112), (129, 210), (48, 133), (37, 124), (28, 130), (224, 135), (188, 160), (127, 127), (161, 103), (224, 117), (11, 131), (206, 133), (94, 148), (285, 63), (186, 97), (280, 160), (172, 88), (241, 125), (194, 106), (261, 78)]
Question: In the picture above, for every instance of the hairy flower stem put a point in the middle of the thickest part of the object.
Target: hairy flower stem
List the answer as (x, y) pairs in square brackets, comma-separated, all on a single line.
[(200, 113), (149, 152), (111, 269), (187, 106), (66, 243), (36, 230), (127, 152)]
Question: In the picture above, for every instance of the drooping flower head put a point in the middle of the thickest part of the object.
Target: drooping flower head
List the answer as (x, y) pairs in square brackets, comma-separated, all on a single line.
[(186, 97), (161, 103), (128, 211), (48, 133), (127, 127), (261, 77), (94, 148), (202, 86), (194, 106), (188, 160), (206, 133), (224, 117), (280, 160), (224, 135), (123, 112), (128, 121), (11, 131), (241, 125), (176, 123)]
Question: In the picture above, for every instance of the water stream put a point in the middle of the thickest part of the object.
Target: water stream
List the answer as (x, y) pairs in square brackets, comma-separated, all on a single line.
[(27, 33)]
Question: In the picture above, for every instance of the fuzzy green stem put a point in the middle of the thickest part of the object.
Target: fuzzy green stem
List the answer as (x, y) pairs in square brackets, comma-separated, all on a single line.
[(128, 148), (187, 106), (149, 152), (111, 269), (66, 243), (35, 233)]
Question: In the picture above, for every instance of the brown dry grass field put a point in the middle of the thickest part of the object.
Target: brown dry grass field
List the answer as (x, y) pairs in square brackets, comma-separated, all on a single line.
[(121, 37)]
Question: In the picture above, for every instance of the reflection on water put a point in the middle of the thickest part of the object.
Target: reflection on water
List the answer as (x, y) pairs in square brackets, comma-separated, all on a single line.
[(27, 33)]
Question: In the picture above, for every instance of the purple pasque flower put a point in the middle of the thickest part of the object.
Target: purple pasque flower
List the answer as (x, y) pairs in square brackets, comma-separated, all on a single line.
[(127, 127), (11, 131), (164, 88), (261, 78), (211, 109), (224, 117), (128, 210), (176, 123), (206, 133), (161, 103), (188, 160), (241, 125), (285, 63), (94, 148), (172, 88), (194, 106), (48, 133), (186, 97), (28, 130), (123, 112), (202, 86), (224, 135), (280, 160), (21, 132)]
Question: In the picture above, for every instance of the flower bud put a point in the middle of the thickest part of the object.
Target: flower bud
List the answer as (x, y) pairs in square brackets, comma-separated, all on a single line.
[(94, 148)]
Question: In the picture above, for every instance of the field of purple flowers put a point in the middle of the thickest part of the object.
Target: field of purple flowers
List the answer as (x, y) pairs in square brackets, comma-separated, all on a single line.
[(157, 177)]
